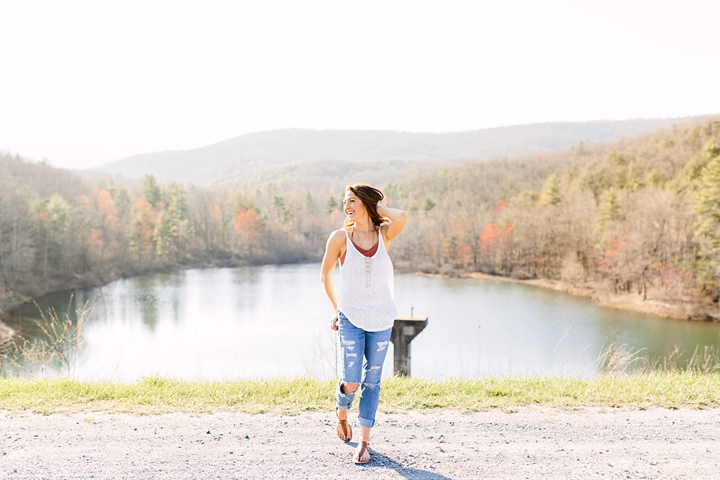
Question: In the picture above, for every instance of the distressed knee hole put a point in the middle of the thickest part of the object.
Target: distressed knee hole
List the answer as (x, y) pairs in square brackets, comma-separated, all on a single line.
[(349, 387), (382, 346)]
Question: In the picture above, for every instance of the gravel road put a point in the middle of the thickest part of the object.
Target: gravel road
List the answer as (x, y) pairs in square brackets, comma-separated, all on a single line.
[(528, 443)]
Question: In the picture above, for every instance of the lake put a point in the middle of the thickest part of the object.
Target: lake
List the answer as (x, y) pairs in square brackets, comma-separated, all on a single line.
[(272, 321)]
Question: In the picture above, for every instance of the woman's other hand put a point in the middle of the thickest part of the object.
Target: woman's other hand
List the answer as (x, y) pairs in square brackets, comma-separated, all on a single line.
[(334, 323)]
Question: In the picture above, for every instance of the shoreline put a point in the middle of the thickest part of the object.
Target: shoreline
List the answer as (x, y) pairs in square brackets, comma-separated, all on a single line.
[(654, 305), (11, 300)]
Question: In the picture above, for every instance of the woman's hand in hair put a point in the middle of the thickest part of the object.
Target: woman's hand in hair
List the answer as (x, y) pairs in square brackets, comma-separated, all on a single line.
[(397, 217)]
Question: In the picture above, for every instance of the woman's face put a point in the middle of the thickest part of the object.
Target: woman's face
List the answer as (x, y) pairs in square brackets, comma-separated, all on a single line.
[(353, 207)]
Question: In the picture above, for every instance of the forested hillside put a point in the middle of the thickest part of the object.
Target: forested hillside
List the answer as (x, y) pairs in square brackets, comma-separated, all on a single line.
[(636, 216), (640, 214), (58, 231)]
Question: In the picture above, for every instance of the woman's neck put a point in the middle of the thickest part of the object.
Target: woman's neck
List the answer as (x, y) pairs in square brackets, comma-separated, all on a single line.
[(364, 226)]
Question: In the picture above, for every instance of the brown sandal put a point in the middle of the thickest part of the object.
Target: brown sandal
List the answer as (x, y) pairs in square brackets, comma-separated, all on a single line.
[(357, 458), (344, 432)]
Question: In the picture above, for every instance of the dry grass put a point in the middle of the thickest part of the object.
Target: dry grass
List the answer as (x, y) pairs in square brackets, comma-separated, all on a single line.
[(624, 360), (158, 395), (56, 346)]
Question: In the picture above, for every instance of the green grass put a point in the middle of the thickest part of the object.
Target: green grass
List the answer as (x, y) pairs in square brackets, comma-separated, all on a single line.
[(158, 395)]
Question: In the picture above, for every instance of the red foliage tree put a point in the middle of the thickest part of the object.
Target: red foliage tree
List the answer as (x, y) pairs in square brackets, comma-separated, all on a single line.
[(248, 229)]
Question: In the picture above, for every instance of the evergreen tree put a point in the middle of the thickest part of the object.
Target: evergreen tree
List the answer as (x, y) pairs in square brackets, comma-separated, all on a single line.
[(331, 205), (706, 203), (706, 206), (310, 204), (550, 193), (609, 209), (151, 190), (173, 231), (429, 205), (632, 178)]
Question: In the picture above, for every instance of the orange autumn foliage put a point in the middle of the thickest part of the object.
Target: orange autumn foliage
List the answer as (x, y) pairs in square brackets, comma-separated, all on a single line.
[(501, 205), (107, 209), (493, 237), (614, 247), (42, 217), (465, 255), (144, 225), (248, 227), (101, 203)]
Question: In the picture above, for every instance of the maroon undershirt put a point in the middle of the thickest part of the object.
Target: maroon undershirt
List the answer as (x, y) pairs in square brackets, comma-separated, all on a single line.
[(368, 253)]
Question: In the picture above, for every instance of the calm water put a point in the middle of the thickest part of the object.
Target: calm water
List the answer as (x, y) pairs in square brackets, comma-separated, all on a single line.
[(263, 322)]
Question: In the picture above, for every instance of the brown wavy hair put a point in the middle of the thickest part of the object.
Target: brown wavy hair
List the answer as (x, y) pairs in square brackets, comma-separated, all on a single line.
[(370, 197)]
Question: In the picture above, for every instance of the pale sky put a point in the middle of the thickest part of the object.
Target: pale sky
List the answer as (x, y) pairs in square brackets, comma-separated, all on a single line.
[(86, 82)]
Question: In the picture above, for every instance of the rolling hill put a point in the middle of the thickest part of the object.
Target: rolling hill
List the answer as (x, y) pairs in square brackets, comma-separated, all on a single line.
[(265, 155)]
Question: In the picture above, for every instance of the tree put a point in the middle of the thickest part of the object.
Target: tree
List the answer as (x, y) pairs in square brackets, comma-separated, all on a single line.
[(550, 193), (151, 190), (310, 208), (492, 242), (428, 205), (119, 196), (249, 231), (284, 215), (107, 235), (143, 226), (173, 231), (609, 209), (632, 181), (706, 206), (331, 204), (52, 215), (16, 239)]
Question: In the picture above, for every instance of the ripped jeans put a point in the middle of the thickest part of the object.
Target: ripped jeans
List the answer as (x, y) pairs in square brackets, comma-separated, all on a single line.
[(356, 343)]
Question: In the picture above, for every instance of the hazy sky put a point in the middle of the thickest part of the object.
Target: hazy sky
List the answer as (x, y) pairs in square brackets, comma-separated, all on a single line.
[(86, 82)]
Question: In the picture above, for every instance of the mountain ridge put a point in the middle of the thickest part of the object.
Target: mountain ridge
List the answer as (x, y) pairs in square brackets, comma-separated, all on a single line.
[(236, 156)]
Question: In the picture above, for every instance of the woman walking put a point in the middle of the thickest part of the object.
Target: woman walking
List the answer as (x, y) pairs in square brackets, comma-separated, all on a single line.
[(364, 309)]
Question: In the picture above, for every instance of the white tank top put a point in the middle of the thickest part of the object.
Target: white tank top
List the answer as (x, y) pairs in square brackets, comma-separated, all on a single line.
[(366, 287)]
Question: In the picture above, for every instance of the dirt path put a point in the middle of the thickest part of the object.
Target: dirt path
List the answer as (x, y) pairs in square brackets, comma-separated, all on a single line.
[(530, 443)]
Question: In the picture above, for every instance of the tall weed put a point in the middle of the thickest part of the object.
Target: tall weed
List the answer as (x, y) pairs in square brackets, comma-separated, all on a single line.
[(617, 360), (58, 343)]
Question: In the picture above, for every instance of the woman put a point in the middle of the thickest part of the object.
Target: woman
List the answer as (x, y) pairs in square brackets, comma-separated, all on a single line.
[(364, 310)]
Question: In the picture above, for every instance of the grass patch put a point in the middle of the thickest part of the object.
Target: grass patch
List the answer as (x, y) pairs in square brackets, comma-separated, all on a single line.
[(159, 395)]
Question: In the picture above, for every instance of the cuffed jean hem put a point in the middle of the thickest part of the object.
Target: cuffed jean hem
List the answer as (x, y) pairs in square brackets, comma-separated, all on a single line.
[(343, 400), (364, 422)]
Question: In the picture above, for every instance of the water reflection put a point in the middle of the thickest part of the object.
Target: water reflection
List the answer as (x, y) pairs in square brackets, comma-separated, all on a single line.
[(273, 322)]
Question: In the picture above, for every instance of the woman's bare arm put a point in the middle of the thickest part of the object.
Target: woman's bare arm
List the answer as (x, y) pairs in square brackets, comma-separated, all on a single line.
[(333, 250), (397, 217)]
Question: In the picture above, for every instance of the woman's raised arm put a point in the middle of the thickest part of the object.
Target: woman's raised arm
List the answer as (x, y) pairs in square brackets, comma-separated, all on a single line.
[(397, 217)]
